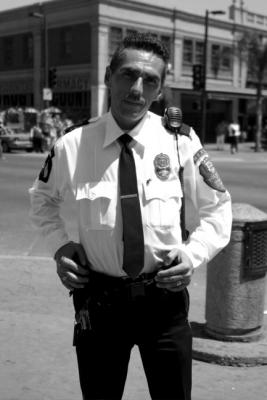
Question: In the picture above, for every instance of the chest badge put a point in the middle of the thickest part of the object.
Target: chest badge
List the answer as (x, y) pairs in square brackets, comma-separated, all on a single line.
[(162, 166)]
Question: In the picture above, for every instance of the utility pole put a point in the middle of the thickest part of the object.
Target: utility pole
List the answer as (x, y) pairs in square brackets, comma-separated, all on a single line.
[(205, 63)]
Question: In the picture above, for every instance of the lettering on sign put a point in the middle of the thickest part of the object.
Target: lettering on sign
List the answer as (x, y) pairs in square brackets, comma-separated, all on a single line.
[(67, 84), (16, 86)]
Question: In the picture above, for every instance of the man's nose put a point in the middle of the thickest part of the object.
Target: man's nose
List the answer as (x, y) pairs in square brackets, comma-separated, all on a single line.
[(137, 87)]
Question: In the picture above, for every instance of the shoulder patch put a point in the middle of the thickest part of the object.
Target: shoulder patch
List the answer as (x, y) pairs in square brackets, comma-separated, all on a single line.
[(200, 155), (185, 130), (208, 171), (47, 167), (78, 125)]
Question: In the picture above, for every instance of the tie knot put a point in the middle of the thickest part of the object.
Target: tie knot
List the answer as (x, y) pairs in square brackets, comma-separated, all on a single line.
[(125, 139)]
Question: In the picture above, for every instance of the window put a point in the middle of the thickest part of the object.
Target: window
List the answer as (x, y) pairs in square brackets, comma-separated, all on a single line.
[(260, 19), (193, 52), (8, 51), (220, 57), (27, 50), (226, 57), (188, 51), (250, 17), (215, 58), (199, 51), (66, 42)]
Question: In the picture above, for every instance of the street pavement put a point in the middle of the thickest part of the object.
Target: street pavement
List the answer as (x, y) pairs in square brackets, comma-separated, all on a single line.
[(37, 360)]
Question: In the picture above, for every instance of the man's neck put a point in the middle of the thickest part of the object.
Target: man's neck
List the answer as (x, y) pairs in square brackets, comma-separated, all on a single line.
[(126, 127)]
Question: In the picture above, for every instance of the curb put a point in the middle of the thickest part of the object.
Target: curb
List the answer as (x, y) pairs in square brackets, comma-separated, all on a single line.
[(239, 354)]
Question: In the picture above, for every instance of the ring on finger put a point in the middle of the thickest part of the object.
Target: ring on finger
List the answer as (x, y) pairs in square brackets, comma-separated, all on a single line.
[(179, 283)]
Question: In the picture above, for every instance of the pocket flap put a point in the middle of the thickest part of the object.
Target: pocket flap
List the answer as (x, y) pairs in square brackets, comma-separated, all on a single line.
[(163, 190), (94, 190)]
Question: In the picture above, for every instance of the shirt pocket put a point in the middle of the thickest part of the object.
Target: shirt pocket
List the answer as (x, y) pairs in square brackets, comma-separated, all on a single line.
[(96, 203), (163, 203)]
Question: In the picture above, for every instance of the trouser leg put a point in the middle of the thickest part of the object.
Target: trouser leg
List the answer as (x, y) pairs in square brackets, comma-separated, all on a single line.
[(102, 362), (168, 363), (157, 323), (167, 356)]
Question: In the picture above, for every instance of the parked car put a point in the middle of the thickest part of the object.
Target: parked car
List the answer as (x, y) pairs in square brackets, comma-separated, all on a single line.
[(14, 141)]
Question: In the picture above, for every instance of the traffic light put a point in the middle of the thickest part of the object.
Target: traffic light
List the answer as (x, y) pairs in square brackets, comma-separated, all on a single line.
[(52, 77), (198, 77)]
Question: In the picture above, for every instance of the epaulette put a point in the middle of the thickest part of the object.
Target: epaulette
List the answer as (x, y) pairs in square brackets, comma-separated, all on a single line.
[(185, 130), (78, 125)]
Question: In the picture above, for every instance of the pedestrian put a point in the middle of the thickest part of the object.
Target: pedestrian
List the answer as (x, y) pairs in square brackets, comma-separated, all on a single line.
[(221, 133), (129, 273), (36, 135), (234, 135)]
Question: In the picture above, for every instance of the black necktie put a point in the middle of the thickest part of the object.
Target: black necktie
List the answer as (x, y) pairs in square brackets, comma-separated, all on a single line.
[(133, 237)]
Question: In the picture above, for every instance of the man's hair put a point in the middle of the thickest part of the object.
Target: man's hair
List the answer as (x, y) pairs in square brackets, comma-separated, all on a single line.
[(141, 41)]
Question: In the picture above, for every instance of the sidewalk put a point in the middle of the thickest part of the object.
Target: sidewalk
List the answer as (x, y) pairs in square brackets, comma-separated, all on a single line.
[(37, 360)]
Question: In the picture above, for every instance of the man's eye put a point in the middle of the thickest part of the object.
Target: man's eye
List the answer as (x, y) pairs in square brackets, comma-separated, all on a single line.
[(128, 75), (151, 80)]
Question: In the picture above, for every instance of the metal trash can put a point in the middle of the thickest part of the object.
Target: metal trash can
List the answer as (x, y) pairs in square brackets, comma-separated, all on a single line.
[(236, 279)]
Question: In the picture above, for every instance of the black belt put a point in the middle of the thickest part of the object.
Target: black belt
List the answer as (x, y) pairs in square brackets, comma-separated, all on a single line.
[(133, 288)]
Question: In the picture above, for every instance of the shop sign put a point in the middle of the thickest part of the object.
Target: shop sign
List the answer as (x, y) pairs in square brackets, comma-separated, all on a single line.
[(47, 94)]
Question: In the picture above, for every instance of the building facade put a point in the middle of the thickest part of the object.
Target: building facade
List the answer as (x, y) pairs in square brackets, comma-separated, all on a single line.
[(76, 39)]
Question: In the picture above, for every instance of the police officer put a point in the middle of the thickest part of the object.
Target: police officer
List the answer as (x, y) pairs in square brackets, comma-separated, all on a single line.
[(115, 311)]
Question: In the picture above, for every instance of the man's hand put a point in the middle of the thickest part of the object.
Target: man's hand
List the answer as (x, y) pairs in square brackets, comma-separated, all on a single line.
[(176, 273), (72, 266)]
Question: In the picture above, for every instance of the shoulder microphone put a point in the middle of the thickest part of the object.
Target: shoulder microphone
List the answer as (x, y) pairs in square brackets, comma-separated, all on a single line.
[(173, 119)]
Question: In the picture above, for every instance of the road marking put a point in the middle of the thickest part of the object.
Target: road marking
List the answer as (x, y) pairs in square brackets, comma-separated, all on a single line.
[(218, 158), (24, 258)]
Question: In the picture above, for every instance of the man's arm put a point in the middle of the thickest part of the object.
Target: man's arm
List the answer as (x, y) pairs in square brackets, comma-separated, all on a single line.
[(47, 195), (212, 205)]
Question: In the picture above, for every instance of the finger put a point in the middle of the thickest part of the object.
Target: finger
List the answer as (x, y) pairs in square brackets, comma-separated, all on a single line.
[(81, 255), (71, 282), (172, 281), (170, 259), (71, 286), (178, 270), (173, 286), (73, 278), (67, 264)]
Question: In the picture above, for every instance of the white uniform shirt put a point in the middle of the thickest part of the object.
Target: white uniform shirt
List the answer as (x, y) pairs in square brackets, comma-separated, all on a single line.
[(234, 130), (85, 162)]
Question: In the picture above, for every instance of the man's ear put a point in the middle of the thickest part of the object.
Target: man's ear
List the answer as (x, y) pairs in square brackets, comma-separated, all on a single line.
[(159, 96), (107, 76)]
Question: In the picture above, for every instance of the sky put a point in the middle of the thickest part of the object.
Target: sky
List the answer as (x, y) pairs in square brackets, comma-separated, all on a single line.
[(194, 6)]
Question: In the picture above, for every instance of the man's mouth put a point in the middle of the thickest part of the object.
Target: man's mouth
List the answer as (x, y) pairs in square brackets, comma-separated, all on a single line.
[(134, 102)]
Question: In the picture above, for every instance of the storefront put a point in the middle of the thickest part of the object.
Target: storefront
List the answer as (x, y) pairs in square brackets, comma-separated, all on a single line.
[(16, 93), (72, 95)]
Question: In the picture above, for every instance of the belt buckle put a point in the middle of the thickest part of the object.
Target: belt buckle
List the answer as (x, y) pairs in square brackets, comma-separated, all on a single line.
[(136, 289)]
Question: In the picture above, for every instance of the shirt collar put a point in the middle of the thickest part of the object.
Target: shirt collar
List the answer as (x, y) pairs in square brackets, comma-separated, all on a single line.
[(113, 131)]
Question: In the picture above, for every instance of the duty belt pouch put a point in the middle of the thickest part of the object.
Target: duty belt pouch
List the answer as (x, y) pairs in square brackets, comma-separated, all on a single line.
[(81, 301)]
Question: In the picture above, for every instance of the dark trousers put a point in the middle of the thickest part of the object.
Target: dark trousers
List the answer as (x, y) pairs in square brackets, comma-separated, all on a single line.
[(157, 323), (234, 144)]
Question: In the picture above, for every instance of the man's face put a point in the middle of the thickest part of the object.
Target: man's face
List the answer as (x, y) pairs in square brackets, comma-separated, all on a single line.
[(134, 85)]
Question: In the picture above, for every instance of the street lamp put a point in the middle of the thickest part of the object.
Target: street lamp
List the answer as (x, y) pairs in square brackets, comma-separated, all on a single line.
[(42, 16), (204, 92)]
